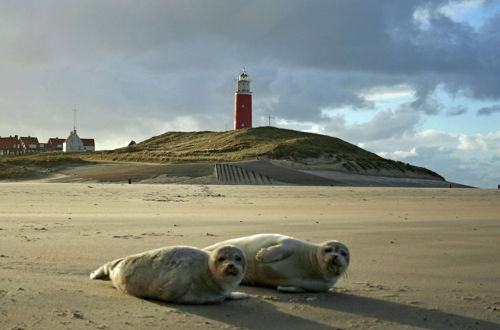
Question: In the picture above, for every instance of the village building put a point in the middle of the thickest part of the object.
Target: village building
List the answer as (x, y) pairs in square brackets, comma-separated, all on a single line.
[(29, 144), (54, 144), (88, 145), (14, 145), (10, 146), (73, 143)]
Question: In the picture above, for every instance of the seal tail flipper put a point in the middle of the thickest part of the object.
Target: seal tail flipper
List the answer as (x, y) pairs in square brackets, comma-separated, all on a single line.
[(102, 273)]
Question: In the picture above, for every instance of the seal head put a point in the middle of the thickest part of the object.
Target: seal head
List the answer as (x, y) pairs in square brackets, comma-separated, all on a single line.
[(333, 258), (228, 264)]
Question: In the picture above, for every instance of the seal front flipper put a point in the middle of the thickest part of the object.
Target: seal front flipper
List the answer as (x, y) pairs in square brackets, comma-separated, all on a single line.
[(237, 296), (275, 253), (290, 289)]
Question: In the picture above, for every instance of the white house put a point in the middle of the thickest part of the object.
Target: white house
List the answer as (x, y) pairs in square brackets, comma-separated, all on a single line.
[(73, 143)]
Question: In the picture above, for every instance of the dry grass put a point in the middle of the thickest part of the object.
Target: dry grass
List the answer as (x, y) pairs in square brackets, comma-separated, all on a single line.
[(37, 164), (210, 147), (252, 144)]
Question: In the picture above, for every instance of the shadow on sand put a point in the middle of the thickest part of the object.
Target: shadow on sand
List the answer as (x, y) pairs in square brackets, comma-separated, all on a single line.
[(259, 313), (397, 313), (254, 313)]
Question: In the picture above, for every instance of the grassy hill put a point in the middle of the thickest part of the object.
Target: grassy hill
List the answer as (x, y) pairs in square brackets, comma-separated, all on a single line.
[(29, 166), (256, 143)]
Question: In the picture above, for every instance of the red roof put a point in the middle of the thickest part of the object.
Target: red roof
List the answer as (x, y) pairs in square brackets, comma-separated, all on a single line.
[(88, 142), (54, 142), (29, 140), (8, 142)]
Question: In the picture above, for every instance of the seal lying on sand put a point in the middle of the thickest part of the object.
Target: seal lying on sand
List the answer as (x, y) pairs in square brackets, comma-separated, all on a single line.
[(178, 274), (290, 265)]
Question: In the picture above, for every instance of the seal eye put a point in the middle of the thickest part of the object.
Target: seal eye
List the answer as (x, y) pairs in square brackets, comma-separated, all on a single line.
[(221, 259), (328, 250), (343, 253), (238, 259)]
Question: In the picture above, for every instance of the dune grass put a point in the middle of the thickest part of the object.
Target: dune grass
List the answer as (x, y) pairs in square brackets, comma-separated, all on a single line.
[(255, 144), (262, 143), (27, 166)]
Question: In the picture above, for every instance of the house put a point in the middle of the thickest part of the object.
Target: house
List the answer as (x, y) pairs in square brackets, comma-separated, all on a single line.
[(73, 143), (88, 144), (29, 144), (10, 146), (54, 144)]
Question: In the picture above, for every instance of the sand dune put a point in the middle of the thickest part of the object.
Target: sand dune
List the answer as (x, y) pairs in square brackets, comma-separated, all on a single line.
[(241, 173), (421, 258)]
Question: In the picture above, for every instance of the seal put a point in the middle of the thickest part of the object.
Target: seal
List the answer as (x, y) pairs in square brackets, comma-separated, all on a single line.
[(178, 274), (289, 264)]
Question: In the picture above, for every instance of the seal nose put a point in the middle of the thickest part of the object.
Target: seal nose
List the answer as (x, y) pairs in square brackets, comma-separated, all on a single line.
[(335, 259), (231, 269)]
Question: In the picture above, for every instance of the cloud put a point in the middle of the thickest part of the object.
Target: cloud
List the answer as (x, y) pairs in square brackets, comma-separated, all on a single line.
[(456, 111), (475, 171), (486, 111), (460, 159), (386, 124), (458, 9), (470, 143), (399, 154), (319, 34), (383, 93), (492, 139)]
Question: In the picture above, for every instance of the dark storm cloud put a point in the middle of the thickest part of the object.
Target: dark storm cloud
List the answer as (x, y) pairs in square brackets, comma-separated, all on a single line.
[(120, 60), (486, 111), (456, 111)]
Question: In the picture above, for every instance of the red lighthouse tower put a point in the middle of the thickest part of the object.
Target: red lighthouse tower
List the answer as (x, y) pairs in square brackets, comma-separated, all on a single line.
[(243, 102)]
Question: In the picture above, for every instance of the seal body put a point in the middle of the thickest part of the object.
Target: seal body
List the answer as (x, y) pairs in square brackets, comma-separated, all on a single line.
[(178, 274), (289, 264)]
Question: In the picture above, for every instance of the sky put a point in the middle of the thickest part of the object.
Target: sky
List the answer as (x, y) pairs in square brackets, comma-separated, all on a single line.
[(415, 81)]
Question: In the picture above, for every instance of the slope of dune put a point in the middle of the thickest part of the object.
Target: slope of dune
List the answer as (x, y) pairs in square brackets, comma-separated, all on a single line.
[(262, 143)]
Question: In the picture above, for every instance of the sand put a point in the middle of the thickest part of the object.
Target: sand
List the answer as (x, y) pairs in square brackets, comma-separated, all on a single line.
[(421, 258)]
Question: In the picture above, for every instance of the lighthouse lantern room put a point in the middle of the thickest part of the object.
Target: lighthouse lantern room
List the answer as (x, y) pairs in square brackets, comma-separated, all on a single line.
[(243, 102)]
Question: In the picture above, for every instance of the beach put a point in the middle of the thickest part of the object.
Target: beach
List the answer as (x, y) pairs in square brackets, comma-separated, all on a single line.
[(421, 257)]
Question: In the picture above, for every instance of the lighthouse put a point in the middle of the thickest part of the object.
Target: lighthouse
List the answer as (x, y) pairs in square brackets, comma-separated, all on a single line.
[(243, 102)]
